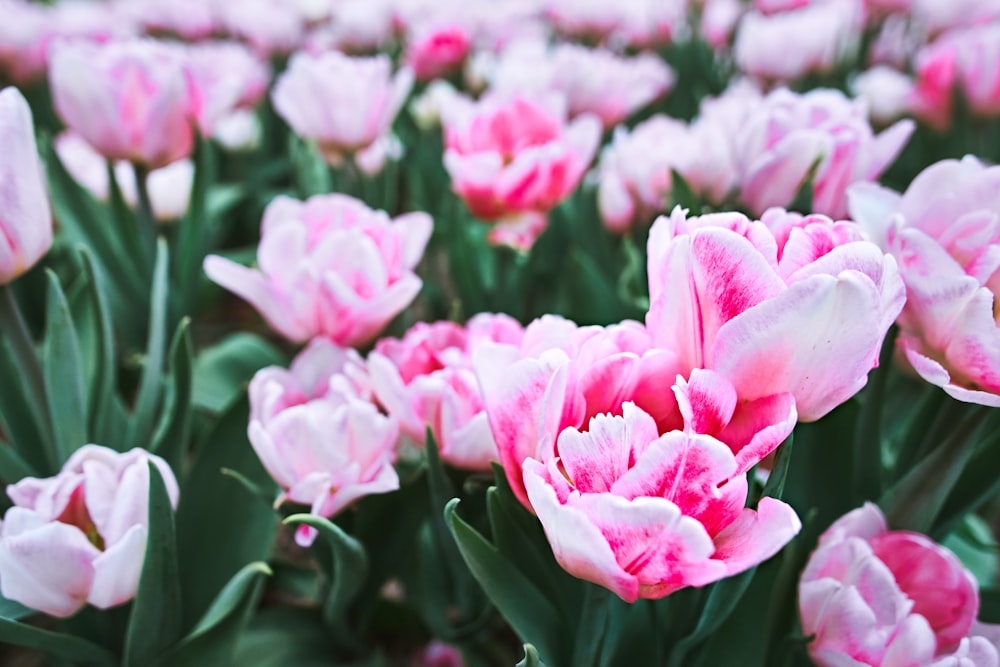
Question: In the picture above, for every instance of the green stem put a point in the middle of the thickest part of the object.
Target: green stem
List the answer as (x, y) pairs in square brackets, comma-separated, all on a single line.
[(147, 221)]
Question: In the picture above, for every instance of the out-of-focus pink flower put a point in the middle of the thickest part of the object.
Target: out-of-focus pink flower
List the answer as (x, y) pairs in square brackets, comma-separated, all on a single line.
[(426, 381), (638, 23), (169, 187), (935, 16), (945, 233), (130, 100), (270, 27), (819, 35), (768, 7), (22, 39), (80, 537), (512, 160), (224, 76), (318, 433), (329, 266), (439, 654), (25, 217), (933, 92), (355, 26), (189, 19), (872, 596), (961, 61), (887, 92), (438, 52), (639, 490), (790, 303), (788, 136), (718, 21), (344, 103)]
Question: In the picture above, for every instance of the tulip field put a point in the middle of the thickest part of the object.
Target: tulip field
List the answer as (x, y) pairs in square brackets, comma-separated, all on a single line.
[(483, 333)]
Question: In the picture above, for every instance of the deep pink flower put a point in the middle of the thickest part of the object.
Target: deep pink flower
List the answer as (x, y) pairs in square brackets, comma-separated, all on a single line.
[(871, 596), (80, 537), (344, 103), (790, 303), (25, 217), (318, 433), (639, 490), (130, 99), (512, 161), (329, 266), (425, 380), (961, 61), (438, 52), (945, 233)]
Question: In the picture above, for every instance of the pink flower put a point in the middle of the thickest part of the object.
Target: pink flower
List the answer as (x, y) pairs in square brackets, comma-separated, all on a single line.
[(787, 135), (329, 266), (169, 187), (343, 103), (190, 19), (23, 39), (562, 376), (639, 490), (638, 23), (318, 433), (819, 35), (963, 59), (886, 90), (945, 233), (79, 537), (270, 27), (224, 76), (130, 99), (25, 217), (512, 161), (871, 596), (718, 21), (438, 52), (439, 654), (425, 380), (787, 304)]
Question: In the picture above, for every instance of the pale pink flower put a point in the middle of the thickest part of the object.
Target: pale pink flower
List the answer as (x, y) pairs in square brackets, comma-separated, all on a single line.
[(329, 266), (80, 537), (945, 233), (355, 26), (638, 23), (23, 39), (25, 216), (344, 103), (169, 187), (962, 61), (130, 100), (790, 303), (718, 21), (887, 92), (935, 16), (788, 136), (318, 433), (224, 77), (638, 489), (873, 596), (426, 381), (788, 45), (513, 160), (270, 27), (190, 19)]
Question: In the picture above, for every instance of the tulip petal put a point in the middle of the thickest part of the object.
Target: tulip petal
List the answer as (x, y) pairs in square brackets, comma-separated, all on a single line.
[(117, 570)]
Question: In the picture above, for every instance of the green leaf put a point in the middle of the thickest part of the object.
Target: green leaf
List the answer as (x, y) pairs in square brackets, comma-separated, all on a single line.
[(528, 611), (722, 600), (155, 622), (136, 230), (68, 647), (17, 418), (212, 642), (12, 467), (775, 485), (974, 544), (63, 371), (350, 565), (150, 387), (989, 604), (285, 637), (13, 611), (977, 483), (867, 446), (103, 381), (312, 173), (531, 658), (220, 529), (682, 195), (222, 371), (172, 434), (197, 230)]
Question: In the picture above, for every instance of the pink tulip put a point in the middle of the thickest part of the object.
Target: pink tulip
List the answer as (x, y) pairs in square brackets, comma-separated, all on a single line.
[(512, 161), (638, 23), (872, 596), (935, 16), (130, 100), (269, 27), (639, 490), (22, 39), (945, 233), (169, 187), (963, 61), (821, 35), (438, 52), (25, 217), (80, 537), (190, 19), (785, 304), (718, 21), (329, 266), (343, 103), (789, 135), (426, 381), (562, 376), (887, 92), (318, 433), (355, 26), (224, 76)]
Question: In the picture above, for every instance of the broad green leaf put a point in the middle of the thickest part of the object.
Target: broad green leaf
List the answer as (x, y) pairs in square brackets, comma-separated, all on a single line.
[(530, 658), (349, 564), (221, 372), (681, 194), (155, 622), (63, 371), (285, 637), (530, 614), (12, 467), (148, 400), (196, 231), (867, 446), (977, 483), (173, 431), (67, 647), (103, 381), (212, 642), (974, 544), (13, 611), (18, 419), (722, 600)]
